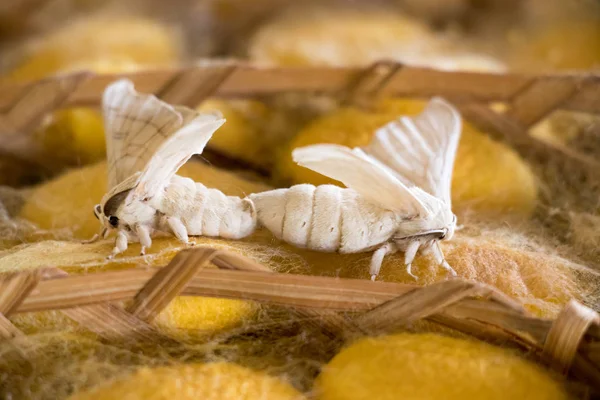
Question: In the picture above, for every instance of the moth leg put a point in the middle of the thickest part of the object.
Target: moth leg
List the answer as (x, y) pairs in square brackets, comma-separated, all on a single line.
[(178, 229), (409, 256), (377, 258), (439, 258), (120, 245), (144, 235)]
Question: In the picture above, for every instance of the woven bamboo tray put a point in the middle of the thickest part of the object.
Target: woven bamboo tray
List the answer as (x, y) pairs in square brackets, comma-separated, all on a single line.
[(529, 98), (340, 307)]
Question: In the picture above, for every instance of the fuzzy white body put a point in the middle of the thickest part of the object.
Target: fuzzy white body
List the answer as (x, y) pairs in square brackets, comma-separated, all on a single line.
[(184, 208), (324, 218), (204, 211)]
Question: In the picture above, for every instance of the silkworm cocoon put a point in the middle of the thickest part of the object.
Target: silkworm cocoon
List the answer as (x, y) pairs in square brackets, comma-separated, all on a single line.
[(340, 37), (106, 40), (243, 137), (427, 366), (544, 283), (343, 37), (214, 381), (571, 43)]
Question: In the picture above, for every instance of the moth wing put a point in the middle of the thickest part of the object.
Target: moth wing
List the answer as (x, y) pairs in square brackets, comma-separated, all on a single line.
[(371, 179), (421, 150), (176, 151), (136, 125)]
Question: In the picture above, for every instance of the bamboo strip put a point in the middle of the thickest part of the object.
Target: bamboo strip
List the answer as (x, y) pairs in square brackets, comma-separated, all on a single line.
[(542, 97), (529, 97), (246, 80), (7, 329), (567, 332), (528, 146), (109, 321), (328, 321), (472, 308), (191, 87), (419, 304), (167, 283), (282, 289), (15, 288)]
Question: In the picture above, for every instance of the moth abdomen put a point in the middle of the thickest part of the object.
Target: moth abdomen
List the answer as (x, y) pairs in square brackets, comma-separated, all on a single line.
[(207, 212), (324, 218)]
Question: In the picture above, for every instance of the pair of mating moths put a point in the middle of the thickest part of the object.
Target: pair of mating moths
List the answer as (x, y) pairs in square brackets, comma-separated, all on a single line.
[(397, 195)]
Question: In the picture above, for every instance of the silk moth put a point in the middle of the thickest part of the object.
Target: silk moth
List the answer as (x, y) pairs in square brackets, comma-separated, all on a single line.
[(397, 194), (147, 141)]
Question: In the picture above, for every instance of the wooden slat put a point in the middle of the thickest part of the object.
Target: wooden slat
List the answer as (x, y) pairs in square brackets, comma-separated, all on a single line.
[(540, 98), (7, 329), (246, 80)]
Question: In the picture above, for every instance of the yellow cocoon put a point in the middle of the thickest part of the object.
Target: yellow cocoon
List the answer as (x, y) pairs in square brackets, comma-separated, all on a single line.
[(573, 43), (542, 282), (102, 45), (243, 136), (75, 136), (216, 381), (339, 37), (67, 201), (488, 176), (428, 367), (342, 37), (102, 39)]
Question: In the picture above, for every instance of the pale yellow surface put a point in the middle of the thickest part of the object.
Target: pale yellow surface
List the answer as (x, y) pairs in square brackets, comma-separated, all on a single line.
[(67, 202), (488, 177), (216, 381), (428, 367)]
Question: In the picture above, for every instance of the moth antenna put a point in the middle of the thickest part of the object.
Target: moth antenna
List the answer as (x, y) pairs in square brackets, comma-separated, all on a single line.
[(92, 239)]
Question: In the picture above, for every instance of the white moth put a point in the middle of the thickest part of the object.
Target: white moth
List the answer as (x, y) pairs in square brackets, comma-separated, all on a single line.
[(397, 195), (147, 141)]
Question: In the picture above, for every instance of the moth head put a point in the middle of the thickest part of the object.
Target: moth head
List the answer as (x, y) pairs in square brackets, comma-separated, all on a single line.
[(108, 213), (448, 231)]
